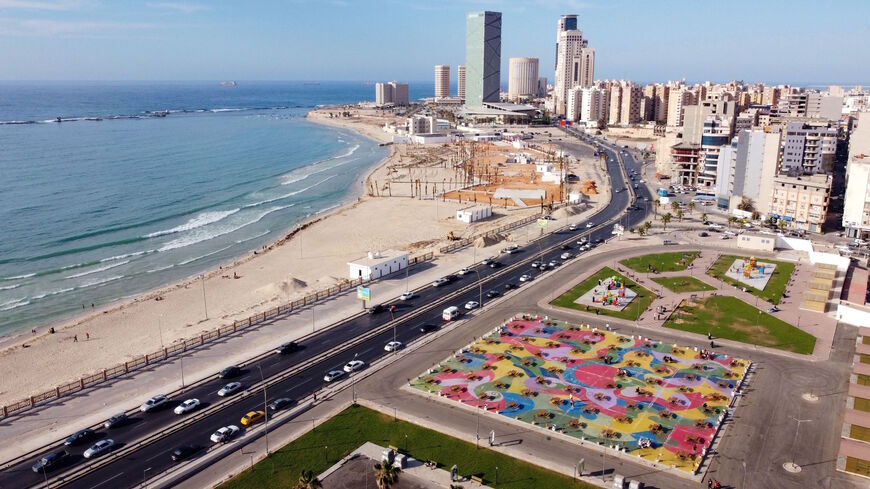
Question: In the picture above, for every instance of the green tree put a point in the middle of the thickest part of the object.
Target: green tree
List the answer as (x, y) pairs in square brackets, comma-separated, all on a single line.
[(641, 231), (666, 219), (746, 204), (691, 207), (731, 220), (675, 205), (386, 473), (680, 215), (308, 481), (781, 224), (704, 217), (647, 225)]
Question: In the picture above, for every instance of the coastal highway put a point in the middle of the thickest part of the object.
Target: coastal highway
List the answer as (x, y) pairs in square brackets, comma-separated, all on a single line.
[(426, 307)]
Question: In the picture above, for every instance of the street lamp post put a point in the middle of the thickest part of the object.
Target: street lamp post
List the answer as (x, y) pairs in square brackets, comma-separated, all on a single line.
[(204, 305), (794, 442), (480, 289), (144, 477), (265, 409), (181, 359)]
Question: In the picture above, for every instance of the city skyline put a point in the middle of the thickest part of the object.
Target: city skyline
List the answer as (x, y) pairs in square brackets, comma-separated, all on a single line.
[(66, 40)]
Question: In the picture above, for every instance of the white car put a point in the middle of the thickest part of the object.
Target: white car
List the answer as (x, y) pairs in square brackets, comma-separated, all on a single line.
[(441, 281), (224, 434), (554, 263), (154, 403), (471, 305), (487, 261), (354, 365), (511, 249), (463, 271), (406, 296), (187, 406), (99, 448), (589, 225), (332, 375), (393, 346), (566, 256), (230, 389), (525, 278)]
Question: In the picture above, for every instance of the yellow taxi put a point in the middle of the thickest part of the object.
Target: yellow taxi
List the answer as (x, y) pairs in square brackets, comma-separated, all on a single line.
[(253, 417)]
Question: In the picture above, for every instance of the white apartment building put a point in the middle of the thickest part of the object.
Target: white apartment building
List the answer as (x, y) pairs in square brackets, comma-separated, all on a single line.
[(593, 105), (442, 81), (615, 104), (662, 96), (568, 47), (678, 99), (583, 71), (383, 93), (856, 205), (746, 169), (574, 104), (522, 79), (809, 146)]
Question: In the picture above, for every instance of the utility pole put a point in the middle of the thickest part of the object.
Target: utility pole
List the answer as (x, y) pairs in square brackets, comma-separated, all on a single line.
[(265, 409)]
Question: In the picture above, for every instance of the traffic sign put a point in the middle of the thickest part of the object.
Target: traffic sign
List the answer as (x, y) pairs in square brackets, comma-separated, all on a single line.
[(363, 293), (542, 223)]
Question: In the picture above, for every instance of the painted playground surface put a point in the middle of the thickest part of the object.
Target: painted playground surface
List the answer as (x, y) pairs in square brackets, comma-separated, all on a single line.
[(610, 293), (657, 401), (751, 272)]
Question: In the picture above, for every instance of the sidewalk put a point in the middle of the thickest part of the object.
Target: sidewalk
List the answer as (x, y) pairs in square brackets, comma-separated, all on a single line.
[(48, 423)]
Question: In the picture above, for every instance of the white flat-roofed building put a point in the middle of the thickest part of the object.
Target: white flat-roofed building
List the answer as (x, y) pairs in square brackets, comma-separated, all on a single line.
[(475, 213), (377, 264)]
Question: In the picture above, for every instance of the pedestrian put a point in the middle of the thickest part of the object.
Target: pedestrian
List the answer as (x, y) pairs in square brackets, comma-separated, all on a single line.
[(75, 338), (315, 396), (710, 484), (709, 336), (87, 335)]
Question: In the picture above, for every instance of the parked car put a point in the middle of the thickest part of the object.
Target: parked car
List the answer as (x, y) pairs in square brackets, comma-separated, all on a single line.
[(154, 403), (703, 234), (253, 417), (99, 448), (354, 365), (116, 421), (230, 372), (184, 451), (187, 406), (224, 434), (50, 461), (393, 346), (79, 437), (332, 375), (287, 348), (230, 389), (280, 403)]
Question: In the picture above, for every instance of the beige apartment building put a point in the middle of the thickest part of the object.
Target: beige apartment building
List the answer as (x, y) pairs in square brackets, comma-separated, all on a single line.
[(460, 82), (629, 112), (802, 202), (442, 81), (522, 78)]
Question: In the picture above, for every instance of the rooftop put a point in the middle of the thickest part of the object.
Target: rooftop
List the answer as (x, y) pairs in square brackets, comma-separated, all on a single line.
[(377, 257)]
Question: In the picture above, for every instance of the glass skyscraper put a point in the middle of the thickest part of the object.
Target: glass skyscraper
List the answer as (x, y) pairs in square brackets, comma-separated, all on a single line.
[(482, 58)]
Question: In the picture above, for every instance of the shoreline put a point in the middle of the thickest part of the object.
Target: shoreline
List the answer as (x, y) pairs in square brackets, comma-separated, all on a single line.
[(23, 338)]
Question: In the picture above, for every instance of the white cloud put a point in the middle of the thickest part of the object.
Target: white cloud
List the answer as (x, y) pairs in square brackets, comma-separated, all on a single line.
[(187, 8)]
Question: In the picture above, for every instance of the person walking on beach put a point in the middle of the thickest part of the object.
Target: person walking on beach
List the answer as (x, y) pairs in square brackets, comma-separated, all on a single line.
[(87, 335), (75, 338)]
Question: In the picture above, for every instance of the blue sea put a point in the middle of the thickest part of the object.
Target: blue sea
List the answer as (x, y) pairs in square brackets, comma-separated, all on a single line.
[(115, 200)]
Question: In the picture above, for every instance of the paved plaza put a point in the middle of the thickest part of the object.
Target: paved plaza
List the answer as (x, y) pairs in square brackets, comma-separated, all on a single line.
[(658, 401), (751, 272)]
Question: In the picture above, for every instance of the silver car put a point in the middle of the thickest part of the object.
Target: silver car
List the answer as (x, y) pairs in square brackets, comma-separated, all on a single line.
[(99, 448), (230, 389)]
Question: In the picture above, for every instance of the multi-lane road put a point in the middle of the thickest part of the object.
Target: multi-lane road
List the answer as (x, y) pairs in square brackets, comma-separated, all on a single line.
[(362, 337)]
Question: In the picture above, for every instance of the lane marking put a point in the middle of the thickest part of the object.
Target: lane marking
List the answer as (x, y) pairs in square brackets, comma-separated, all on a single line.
[(109, 480)]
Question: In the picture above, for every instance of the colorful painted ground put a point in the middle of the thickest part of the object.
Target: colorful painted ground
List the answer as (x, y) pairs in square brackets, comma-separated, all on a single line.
[(658, 401)]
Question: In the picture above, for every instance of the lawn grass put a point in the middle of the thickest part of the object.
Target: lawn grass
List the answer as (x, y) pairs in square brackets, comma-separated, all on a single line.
[(683, 284), (663, 262), (775, 286), (356, 425), (632, 312), (730, 318)]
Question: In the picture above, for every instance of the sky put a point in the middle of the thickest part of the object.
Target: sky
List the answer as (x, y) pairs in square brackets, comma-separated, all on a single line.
[(774, 41)]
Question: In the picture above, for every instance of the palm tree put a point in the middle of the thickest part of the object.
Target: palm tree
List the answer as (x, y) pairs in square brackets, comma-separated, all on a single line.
[(781, 224), (386, 473), (680, 214), (647, 225), (704, 217), (675, 205), (731, 220), (641, 231), (665, 220), (308, 481), (656, 205), (691, 207), (746, 204)]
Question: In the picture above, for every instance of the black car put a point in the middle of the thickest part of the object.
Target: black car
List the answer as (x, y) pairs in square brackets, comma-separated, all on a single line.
[(427, 328), (566, 247), (287, 348), (116, 421), (50, 461), (703, 234), (494, 264), (510, 286), (493, 293), (79, 437), (280, 403), (184, 451), (230, 372), (599, 241), (377, 308)]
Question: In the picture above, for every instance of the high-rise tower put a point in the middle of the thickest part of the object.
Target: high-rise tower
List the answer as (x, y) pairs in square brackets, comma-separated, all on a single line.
[(482, 57)]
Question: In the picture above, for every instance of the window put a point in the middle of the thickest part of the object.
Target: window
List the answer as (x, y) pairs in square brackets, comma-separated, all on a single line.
[(859, 433)]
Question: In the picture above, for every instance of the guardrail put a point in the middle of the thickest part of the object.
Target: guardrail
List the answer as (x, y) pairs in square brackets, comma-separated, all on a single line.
[(462, 243), (182, 346)]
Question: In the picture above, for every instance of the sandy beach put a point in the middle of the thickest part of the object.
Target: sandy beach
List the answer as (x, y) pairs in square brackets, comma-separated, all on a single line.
[(314, 258)]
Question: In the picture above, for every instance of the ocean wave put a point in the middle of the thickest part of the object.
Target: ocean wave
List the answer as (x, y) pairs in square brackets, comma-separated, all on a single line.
[(126, 255), (199, 221), (248, 239), (97, 270), (321, 211), (10, 287), (8, 306), (19, 277), (349, 152), (195, 238), (100, 282), (160, 269), (54, 292), (191, 260), (144, 114)]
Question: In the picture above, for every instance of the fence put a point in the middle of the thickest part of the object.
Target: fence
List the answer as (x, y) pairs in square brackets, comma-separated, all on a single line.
[(183, 345), (467, 241)]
